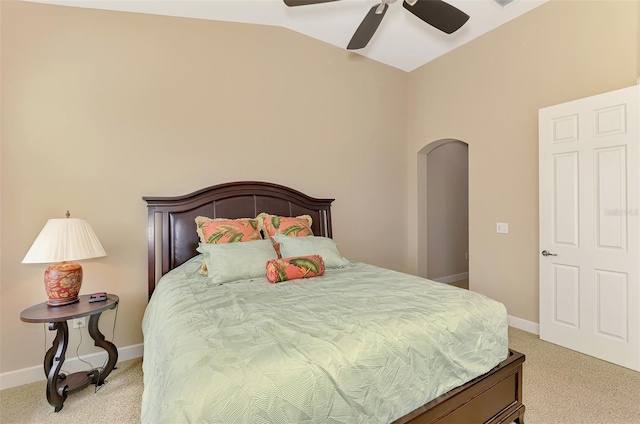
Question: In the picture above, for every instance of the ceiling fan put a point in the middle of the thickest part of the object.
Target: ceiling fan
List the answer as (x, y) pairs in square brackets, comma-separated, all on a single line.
[(436, 13)]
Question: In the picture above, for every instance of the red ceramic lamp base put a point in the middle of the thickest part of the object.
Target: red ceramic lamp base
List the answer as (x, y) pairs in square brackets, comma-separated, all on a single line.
[(62, 282)]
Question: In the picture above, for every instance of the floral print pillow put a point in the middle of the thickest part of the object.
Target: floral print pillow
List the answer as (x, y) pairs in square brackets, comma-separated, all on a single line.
[(285, 269), (296, 227), (221, 230), (270, 225)]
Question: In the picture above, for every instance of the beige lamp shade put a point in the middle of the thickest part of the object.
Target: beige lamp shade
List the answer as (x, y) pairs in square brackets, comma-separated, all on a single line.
[(63, 241)]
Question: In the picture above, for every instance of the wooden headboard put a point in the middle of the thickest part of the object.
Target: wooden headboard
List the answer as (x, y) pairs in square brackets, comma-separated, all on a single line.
[(172, 237)]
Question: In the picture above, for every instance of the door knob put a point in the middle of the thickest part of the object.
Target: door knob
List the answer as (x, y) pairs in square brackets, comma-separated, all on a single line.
[(547, 253)]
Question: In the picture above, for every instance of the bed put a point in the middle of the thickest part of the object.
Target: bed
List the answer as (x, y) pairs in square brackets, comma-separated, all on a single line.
[(204, 342)]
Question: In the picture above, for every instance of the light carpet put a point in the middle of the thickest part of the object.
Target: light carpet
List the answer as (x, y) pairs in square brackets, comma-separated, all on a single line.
[(560, 387)]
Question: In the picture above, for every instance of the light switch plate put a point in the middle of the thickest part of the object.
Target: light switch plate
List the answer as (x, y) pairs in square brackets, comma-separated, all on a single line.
[(502, 228)]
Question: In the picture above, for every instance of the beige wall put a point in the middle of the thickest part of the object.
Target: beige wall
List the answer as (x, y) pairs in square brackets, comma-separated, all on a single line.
[(447, 210), (487, 93), (101, 108)]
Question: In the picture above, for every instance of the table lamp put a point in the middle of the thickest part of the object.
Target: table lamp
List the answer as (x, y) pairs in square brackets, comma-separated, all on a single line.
[(63, 241)]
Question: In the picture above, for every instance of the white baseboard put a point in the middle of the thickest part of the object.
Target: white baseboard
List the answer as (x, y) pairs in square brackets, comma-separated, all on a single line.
[(452, 278), (71, 364), (523, 324)]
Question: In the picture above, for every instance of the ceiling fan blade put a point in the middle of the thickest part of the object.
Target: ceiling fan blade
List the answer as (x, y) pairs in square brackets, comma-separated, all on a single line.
[(367, 28), (292, 3), (438, 14)]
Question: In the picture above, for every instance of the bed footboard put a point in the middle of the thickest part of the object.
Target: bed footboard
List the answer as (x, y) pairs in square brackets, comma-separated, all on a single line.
[(494, 397)]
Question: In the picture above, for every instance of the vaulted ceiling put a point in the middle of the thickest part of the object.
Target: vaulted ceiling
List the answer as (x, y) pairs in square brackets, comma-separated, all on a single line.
[(402, 40)]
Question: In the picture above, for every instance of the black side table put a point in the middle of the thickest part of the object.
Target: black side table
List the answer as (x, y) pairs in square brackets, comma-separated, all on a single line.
[(59, 384)]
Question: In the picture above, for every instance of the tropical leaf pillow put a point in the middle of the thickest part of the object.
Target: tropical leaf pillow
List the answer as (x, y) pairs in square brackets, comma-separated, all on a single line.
[(223, 230), (270, 225), (285, 269), (296, 227)]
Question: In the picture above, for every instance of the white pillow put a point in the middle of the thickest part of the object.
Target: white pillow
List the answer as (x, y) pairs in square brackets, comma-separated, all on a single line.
[(312, 245), (237, 261)]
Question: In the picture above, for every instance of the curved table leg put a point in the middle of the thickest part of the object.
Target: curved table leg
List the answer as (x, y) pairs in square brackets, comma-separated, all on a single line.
[(53, 363), (112, 351), (48, 361)]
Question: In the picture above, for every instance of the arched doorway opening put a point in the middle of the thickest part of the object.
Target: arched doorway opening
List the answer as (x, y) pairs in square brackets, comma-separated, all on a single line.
[(443, 212)]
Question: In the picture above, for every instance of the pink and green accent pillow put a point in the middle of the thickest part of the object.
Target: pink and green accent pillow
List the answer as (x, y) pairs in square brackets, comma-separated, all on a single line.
[(296, 227), (285, 269), (221, 230), (300, 226)]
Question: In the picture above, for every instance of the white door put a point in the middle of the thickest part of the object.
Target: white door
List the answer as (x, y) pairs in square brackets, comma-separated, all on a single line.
[(589, 226)]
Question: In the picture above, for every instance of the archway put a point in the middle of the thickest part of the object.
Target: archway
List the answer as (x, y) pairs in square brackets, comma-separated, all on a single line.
[(443, 212)]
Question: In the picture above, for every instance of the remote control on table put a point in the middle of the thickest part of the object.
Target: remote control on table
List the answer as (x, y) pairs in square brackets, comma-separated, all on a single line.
[(98, 297)]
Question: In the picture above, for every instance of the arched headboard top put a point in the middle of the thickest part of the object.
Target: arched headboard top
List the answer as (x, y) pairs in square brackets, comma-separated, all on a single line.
[(172, 237)]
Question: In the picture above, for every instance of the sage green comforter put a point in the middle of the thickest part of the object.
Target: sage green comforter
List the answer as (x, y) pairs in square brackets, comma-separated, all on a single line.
[(360, 344)]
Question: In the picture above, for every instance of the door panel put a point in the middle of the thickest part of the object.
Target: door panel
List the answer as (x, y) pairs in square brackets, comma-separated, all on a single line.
[(612, 300), (567, 295), (589, 199), (611, 197), (566, 222)]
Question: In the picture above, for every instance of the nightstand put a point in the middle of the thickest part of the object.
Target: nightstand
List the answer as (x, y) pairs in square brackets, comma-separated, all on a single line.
[(60, 384)]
